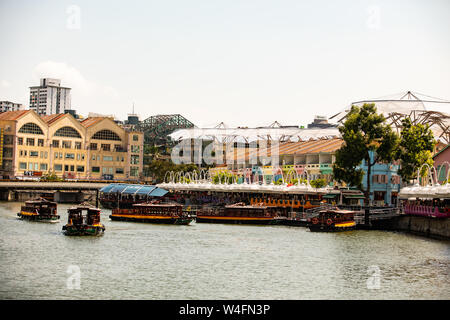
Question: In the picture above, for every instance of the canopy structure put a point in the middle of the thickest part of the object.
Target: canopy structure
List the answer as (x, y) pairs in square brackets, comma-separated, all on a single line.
[(418, 107), (247, 135), (134, 189)]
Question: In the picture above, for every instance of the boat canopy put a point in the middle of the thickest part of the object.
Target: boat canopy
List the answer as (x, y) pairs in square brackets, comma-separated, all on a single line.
[(135, 189)]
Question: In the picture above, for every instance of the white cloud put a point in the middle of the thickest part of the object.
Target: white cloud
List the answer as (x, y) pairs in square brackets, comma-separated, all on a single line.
[(5, 84), (86, 94)]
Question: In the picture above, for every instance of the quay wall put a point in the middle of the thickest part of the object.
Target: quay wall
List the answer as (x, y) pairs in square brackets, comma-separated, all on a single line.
[(438, 228)]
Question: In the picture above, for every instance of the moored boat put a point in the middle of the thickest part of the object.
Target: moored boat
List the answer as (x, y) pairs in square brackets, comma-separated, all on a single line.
[(83, 220), (239, 213), (332, 220), (40, 210), (151, 212)]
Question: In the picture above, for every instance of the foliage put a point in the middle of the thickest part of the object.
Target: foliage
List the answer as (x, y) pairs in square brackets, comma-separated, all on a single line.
[(157, 169), (223, 177), (51, 176), (364, 132), (416, 147), (318, 183)]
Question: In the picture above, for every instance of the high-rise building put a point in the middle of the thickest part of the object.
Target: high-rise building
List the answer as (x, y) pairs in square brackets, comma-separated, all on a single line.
[(50, 98), (10, 106)]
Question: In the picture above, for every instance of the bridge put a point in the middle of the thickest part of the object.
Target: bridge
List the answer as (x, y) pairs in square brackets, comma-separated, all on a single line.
[(63, 185), (63, 191)]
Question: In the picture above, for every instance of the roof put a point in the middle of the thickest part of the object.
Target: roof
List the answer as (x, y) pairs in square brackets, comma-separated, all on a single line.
[(49, 119), (445, 148), (13, 115), (141, 189), (296, 148), (88, 122), (248, 135)]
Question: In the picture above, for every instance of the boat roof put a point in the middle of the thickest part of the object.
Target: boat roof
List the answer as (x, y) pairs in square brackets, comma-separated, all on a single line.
[(84, 207), (234, 206), (336, 211), (135, 189), (37, 201), (157, 205)]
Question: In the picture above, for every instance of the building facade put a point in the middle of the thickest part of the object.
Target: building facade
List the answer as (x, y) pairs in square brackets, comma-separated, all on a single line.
[(6, 106), (94, 149), (50, 98)]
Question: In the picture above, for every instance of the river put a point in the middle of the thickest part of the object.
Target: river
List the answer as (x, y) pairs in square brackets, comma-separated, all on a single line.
[(213, 261)]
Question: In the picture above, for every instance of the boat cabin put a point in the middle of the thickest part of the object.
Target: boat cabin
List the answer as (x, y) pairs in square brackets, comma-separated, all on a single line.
[(91, 217), (41, 207)]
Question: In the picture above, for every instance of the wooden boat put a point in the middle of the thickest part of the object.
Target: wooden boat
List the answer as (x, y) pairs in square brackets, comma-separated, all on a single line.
[(239, 213), (40, 210), (332, 220), (153, 212), (83, 220)]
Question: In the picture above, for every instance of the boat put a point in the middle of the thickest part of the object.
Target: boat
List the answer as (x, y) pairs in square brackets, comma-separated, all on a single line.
[(332, 219), (153, 212), (83, 220), (239, 213), (40, 210)]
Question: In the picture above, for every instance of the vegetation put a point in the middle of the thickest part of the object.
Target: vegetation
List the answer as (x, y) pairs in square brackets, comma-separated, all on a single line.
[(366, 137), (318, 183), (51, 176), (157, 169), (415, 149)]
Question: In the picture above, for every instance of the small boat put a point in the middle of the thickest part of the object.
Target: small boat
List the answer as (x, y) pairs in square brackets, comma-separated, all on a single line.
[(83, 220), (239, 213), (40, 210), (153, 212), (332, 220)]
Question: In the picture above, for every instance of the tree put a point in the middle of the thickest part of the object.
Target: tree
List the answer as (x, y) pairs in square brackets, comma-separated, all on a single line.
[(318, 183), (366, 137), (416, 148)]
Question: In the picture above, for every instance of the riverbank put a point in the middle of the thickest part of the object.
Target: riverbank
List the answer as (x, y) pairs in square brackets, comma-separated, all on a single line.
[(436, 228)]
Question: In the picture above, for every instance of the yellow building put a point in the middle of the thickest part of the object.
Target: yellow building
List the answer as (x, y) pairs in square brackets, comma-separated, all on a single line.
[(95, 148)]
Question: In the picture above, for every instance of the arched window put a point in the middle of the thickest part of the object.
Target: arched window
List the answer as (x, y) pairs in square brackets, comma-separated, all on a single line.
[(31, 128), (106, 135), (67, 132)]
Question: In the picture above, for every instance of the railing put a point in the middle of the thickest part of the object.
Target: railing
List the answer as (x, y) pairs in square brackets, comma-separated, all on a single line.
[(426, 211)]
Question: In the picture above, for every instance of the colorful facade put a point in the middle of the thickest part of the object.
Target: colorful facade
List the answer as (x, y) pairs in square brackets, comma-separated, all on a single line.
[(95, 148)]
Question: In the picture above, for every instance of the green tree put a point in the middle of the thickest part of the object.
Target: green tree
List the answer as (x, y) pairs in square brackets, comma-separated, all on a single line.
[(365, 133), (318, 183), (416, 148)]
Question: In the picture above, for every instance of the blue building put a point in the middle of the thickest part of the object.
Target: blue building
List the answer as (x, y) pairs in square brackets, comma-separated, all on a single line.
[(384, 182)]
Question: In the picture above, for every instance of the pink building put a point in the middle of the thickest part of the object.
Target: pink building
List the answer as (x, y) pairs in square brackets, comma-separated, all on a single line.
[(439, 159)]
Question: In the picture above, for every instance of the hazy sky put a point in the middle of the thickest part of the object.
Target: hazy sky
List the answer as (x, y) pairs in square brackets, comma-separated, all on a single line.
[(241, 62)]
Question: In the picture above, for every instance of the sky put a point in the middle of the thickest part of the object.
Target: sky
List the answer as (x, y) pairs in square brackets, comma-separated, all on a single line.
[(244, 63)]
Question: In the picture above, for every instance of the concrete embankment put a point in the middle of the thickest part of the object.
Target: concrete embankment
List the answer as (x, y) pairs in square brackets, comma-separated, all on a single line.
[(437, 228)]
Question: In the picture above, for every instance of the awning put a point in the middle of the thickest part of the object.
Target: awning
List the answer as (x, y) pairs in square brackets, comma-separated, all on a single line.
[(134, 189), (354, 196), (330, 196)]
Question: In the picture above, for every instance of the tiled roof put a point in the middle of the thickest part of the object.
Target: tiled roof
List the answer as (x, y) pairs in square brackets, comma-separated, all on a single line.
[(13, 115), (297, 148), (49, 119), (91, 121)]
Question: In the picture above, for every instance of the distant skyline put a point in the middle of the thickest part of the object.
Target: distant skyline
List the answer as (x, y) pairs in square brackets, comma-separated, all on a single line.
[(246, 63)]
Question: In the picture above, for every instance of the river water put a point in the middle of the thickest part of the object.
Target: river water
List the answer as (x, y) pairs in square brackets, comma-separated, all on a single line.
[(213, 261)]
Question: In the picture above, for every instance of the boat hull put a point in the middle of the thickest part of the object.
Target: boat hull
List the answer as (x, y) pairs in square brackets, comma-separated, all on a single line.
[(83, 230), (38, 217), (236, 220), (152, 219), (332, 227)]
